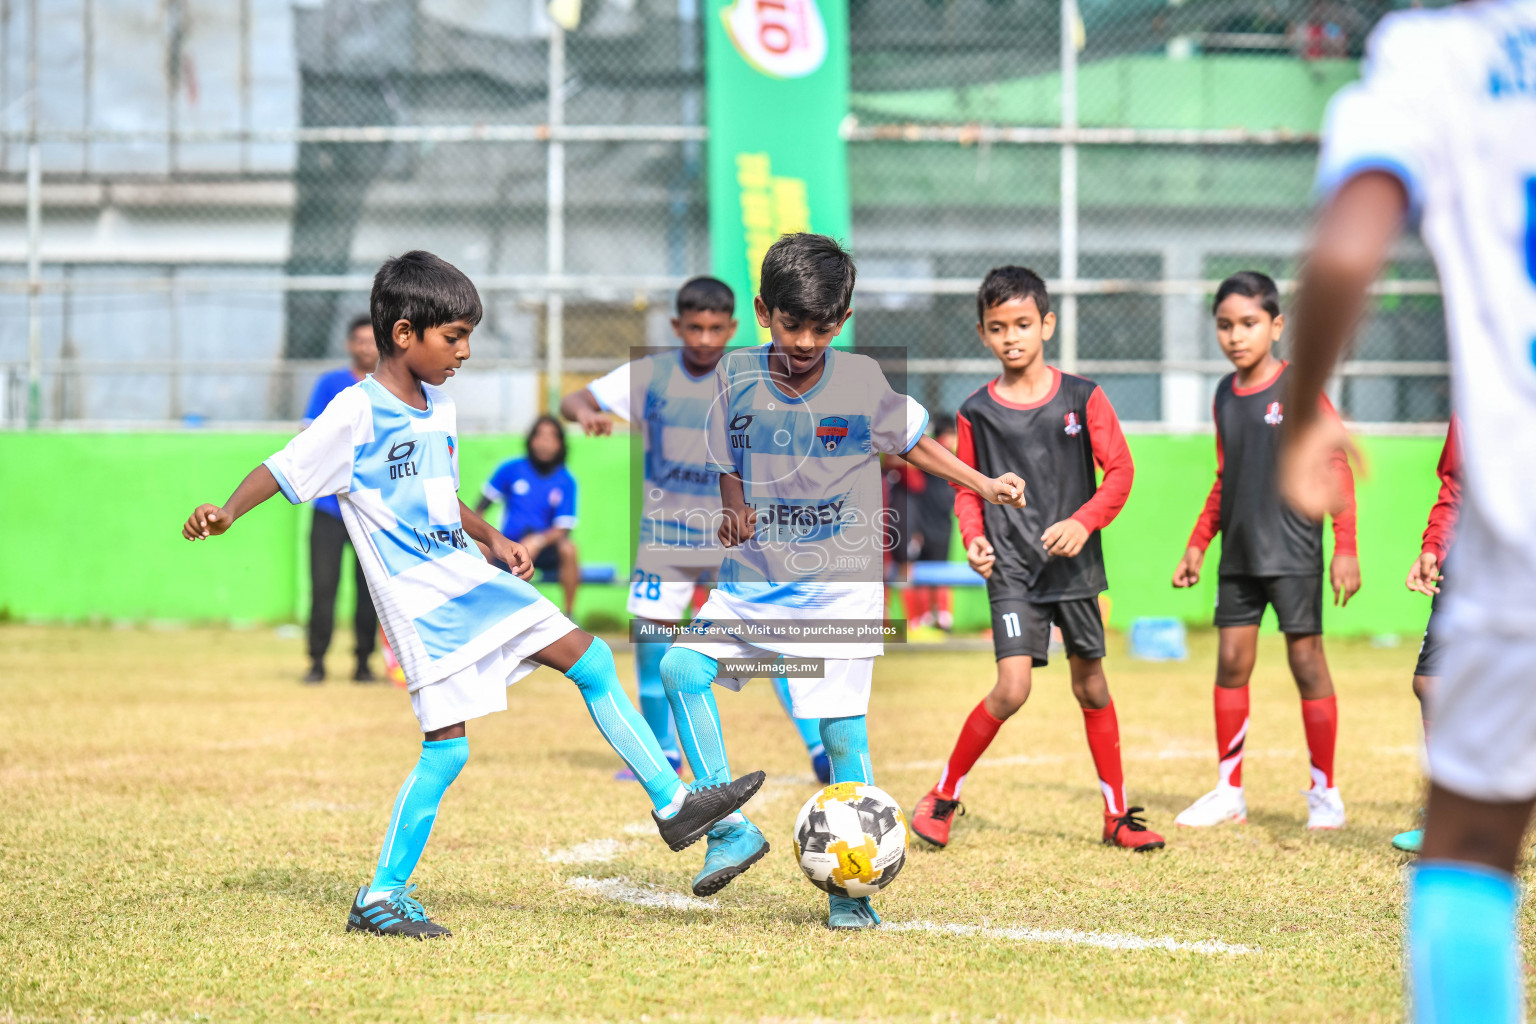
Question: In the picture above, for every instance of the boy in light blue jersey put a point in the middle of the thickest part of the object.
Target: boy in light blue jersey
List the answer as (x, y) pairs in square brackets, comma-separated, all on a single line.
[(795, 432), (667, 395), (462, 630)]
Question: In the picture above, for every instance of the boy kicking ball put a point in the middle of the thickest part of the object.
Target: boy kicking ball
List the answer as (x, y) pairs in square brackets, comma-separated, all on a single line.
[(1270, 556), (463, 631), (796, 432), (1043, 562)]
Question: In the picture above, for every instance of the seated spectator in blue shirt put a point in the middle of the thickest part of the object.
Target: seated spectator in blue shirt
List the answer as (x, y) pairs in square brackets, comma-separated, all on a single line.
[(539, 495), (328, 535)]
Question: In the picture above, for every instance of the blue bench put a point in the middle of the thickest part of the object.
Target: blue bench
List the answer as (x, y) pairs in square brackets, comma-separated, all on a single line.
[(944, 574)]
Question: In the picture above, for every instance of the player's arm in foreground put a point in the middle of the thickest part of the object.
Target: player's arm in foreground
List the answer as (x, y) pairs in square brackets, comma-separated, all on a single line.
[(1113, 456), (581, 408), (1354, 237), (1344, 566), (936, 460), (594, 406)]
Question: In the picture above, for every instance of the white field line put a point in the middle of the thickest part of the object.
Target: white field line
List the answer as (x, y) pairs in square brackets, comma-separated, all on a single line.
[(1136, 755), (639, 894), (1071, 937), (595, 851)]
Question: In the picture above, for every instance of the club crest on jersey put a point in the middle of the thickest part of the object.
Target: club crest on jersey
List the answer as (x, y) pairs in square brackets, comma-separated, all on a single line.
[(1074, 425), (831, 432), (1273, 414)]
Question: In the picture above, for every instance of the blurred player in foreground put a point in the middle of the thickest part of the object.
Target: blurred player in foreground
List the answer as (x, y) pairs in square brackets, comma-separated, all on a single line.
[(795, 432), (668, 395), (1442, 129), (463, 630), (1270, 556), (1425, 576), (1044, 562)]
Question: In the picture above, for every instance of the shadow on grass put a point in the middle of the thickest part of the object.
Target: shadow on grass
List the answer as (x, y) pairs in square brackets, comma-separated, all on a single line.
[(305, 885)]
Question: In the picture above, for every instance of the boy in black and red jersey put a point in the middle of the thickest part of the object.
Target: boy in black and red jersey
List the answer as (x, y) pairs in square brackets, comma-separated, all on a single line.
[(1426, 576), (1270, 556), (1043, 562)]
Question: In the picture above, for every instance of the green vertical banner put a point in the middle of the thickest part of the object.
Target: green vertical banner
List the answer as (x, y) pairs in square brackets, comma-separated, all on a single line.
[(776, 75)]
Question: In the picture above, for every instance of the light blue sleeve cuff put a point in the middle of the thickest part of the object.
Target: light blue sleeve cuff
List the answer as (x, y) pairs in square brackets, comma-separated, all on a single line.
[(921, 430), (599, 400), (565, 522), (282, 483), (1330, 181)]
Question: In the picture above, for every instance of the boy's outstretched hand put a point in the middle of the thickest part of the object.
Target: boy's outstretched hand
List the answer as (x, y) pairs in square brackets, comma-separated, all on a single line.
[(206, 521), (980, 556), (1424, 576), (1007, 489), (1188, 572), (1344, 574)]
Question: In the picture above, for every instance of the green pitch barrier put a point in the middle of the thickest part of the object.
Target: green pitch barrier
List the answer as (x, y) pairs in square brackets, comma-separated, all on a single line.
[(93, 523)]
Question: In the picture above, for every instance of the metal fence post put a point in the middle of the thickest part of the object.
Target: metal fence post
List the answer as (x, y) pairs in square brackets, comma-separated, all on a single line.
[(554, 302), (34, 232), (1066, 321)]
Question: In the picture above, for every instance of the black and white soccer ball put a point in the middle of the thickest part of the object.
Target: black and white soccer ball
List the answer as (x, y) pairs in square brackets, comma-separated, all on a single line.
[(852, 839)]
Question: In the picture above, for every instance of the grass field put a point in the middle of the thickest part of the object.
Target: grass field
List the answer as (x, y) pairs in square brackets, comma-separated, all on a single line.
[(182, 827)]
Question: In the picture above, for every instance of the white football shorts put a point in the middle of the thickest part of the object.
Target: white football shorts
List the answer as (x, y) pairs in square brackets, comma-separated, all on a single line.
[(664, 593), (481, 689)]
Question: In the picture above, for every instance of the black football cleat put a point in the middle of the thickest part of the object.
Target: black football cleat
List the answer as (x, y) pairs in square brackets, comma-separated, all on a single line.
[(703, 808), (396, 914)]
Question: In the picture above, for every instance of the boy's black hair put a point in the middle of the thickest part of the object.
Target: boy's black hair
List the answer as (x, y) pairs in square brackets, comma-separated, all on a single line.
[(943, 423), (1251, 284), (1005, 283), (810, 277), (539, 464), (425, 289), (361, 320), (706, 295)]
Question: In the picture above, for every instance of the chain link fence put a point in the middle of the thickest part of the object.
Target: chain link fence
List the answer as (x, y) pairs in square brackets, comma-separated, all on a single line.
[(194, 194)]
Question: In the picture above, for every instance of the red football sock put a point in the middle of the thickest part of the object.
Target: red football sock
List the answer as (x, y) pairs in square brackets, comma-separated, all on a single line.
[(975, 737), (1231, 732), (914, 601), (1104, 741), (1321, 720)]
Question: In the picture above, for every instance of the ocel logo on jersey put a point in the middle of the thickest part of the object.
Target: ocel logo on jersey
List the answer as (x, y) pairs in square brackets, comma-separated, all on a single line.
[(780, 38), (397, 459), (1074, 426), (831, 432), (1273, 414)]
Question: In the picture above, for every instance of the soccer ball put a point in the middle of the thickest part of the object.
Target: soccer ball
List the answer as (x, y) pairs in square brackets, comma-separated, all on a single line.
[(852, 839)]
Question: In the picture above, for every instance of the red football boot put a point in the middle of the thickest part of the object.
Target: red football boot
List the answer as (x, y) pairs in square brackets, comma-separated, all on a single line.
[(932, 817), (1129, 831)]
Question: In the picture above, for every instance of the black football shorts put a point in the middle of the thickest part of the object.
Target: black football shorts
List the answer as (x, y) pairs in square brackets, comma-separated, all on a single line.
[(1433, 647), (1023, 628), (1297, 600)]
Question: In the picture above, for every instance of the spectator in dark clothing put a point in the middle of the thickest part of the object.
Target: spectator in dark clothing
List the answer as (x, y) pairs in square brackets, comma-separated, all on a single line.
[(328, 535)]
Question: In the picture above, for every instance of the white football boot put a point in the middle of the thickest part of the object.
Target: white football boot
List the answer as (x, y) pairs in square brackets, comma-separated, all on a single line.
[(1325, 808), (1221, 805)]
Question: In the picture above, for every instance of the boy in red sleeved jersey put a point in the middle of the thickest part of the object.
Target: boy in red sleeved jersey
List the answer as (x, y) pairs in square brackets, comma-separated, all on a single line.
[(1044, 563), (1425, 576), (1270, 556)]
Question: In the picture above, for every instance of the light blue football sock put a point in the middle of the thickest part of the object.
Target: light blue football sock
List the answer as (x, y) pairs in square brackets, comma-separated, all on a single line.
[(689, 678), (653, 695), (1463, 948), (623, 728), (810, 728), (415, 810), (847, 742)]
